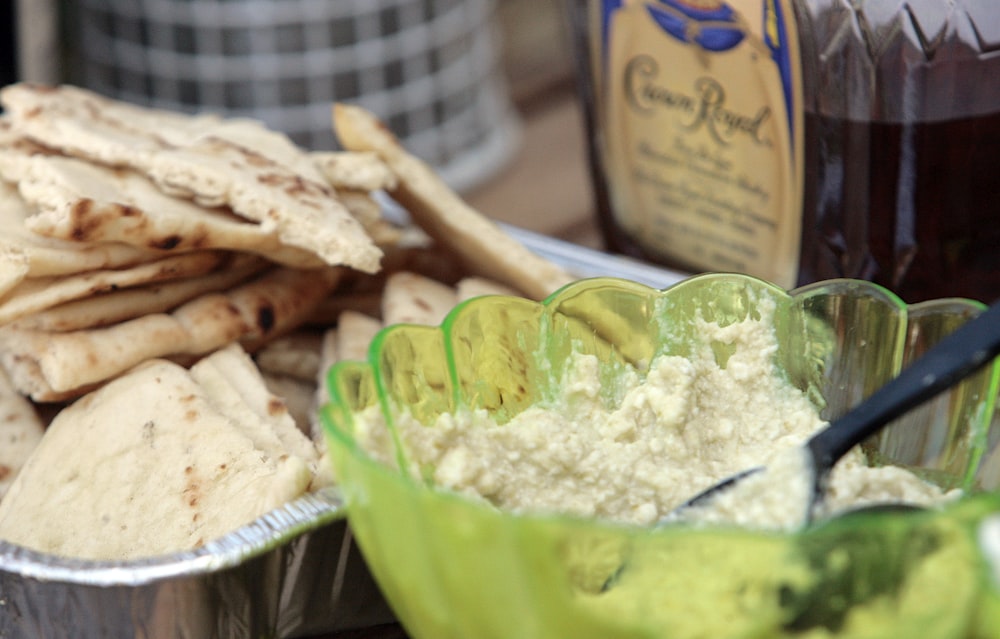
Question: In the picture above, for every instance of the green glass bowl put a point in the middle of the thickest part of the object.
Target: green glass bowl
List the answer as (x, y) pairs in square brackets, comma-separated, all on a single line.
[(453, 567)]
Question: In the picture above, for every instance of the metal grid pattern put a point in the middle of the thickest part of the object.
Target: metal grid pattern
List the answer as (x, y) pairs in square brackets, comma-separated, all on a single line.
[(428, 68)]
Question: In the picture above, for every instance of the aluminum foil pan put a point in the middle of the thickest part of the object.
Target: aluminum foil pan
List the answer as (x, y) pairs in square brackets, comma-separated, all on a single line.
[(294, 572)]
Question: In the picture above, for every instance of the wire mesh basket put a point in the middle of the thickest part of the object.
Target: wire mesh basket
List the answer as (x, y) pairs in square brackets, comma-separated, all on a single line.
[(429, 68)]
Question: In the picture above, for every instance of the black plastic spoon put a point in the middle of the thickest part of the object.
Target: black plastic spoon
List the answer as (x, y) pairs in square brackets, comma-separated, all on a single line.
[(955, 357)]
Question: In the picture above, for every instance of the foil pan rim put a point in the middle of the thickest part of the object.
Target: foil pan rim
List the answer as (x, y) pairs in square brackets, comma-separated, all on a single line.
[(273, 529)]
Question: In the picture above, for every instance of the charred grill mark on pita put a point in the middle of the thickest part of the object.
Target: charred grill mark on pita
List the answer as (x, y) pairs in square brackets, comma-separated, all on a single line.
[(81, 207), (78, 212), (193, 489), (265, 318), (295, 186), (252, 157), (166, 243), (276, 406), (230, 309), (193, 493)]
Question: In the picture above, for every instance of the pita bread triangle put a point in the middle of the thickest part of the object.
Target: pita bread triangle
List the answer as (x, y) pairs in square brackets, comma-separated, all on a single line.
[(257, 173), (80, 201), (28, 254), (50, 366), (483, 246), (172, 461)]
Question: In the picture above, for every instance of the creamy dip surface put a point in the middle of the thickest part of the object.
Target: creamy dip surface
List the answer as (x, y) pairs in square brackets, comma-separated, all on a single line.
[(679, 428)]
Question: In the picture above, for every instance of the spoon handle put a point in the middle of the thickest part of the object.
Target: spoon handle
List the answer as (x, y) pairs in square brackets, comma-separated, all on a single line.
[(955, 357)]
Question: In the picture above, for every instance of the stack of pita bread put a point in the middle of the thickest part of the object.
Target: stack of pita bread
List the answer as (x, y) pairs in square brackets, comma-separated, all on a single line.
[(173, 288)]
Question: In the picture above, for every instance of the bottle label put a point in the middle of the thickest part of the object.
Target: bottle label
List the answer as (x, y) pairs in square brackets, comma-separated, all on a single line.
[(702, 129)]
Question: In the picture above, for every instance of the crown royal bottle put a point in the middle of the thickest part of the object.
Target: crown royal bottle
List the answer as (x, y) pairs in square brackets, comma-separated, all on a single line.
[(799, 140)]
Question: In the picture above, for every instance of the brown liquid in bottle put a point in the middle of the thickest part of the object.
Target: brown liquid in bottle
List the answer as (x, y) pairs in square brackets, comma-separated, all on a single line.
[(884, 202)]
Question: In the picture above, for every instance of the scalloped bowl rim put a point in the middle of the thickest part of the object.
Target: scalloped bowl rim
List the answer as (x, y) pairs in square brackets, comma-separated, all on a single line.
[(331, 429)]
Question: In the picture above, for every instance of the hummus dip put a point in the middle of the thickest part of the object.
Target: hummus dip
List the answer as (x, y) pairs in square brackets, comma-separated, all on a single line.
[(676, 429)]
